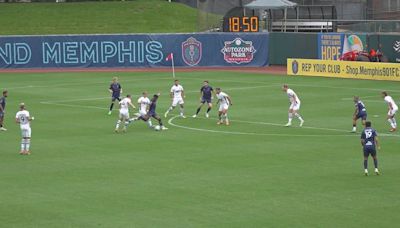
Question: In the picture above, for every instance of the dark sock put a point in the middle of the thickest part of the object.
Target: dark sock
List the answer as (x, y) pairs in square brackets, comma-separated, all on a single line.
[(198, 110), (208, 110), (354, 125), (160, 122), (111, 106), (1, 125), (376, 163), (365, 164)]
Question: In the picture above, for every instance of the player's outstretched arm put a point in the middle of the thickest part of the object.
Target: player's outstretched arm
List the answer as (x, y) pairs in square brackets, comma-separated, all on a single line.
[(230, 100)]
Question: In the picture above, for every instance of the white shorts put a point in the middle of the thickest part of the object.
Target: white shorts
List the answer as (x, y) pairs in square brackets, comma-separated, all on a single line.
[(177, 101), (294, 106), (392, 112), (26, 132), (142, 112), (124, 115), (223, 107)]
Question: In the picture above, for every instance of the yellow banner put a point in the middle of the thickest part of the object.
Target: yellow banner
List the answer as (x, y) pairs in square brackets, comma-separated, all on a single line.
[(344, 69)]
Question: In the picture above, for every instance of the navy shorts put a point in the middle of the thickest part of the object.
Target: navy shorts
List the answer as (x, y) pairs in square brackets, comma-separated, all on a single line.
[(204, 100), (113, 98), (369, 150), (363, 116)]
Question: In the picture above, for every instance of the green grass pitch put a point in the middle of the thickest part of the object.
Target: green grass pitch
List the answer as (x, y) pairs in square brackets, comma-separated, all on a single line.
[(254, 173)]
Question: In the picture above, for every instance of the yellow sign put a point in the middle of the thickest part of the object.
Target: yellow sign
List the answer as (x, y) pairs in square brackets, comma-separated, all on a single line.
[(344, 69)]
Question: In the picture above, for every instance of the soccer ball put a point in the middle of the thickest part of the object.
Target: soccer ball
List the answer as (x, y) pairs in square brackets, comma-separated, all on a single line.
[(157, 127)]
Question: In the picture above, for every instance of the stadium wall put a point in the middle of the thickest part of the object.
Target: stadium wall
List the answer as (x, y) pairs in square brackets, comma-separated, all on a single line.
[(135, 50)]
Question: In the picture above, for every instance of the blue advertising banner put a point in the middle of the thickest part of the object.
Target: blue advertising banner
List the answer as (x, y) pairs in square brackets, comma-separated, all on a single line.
[(147, 50), (331, 46)]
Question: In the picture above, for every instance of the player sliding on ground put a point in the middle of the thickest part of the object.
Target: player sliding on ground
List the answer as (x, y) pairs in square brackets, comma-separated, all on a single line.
[(23, 119), (177, 94), (359, 113), (369, 142), (124, 105), (294, 106), (224, 102), (115, 89), (152, 112), (392, 109), (206, 95)]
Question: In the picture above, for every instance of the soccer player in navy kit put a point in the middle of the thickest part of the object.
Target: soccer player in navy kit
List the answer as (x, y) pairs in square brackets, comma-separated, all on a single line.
[(152, 112), (369, 142), (206, 95), (2, 109), (115, 90), (359, 113)]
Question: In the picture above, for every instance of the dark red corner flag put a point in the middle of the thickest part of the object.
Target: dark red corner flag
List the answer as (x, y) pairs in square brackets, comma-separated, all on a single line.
[(170, 57)]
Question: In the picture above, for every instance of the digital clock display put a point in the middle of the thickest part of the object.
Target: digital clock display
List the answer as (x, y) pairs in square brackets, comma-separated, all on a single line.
[(241, 24)]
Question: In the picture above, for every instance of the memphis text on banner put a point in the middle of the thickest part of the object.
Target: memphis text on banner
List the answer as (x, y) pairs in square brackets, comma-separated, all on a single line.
[(344, 69)]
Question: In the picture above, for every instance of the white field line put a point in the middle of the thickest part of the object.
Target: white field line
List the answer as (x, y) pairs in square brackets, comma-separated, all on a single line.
[(170, 121), (74, 106)]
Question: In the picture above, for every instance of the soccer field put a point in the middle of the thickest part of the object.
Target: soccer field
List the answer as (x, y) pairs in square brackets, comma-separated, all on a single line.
[(253, 173)]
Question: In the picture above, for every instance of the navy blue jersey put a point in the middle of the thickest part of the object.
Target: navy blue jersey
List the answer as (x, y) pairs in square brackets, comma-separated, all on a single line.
[(360, 107), (368, 135), (152, 107), (207, 92), (3, 102), (116, 89)]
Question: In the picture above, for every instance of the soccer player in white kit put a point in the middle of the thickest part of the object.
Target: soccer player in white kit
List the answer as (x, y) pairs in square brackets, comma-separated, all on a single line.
[(392, 109), (294, 106), (224, 102), (23, 119), (124, 112), (144, 103), (177, 95)]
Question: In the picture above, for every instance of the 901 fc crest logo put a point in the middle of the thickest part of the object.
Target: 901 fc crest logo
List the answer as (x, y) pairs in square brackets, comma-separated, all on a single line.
[(295, 67), (238, 51), (191, 51)]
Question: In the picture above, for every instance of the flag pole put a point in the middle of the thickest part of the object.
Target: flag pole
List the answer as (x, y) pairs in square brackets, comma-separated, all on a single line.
[(173, 65)]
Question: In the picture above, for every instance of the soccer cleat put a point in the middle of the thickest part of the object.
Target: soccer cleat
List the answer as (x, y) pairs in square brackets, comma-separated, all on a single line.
[(207, 116), (227, 123), (377, 172), (116, 130), (124, 130), (22, 152), (183, 116), (194, 116), (392, 129), (3, 129), (109, 113), (27, 152), (288, 125), (366, 172), (301, 123), (163, 128), (219, 122)]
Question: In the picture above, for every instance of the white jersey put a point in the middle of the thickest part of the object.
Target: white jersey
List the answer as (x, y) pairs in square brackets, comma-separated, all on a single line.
[(144, 102), (293, 98), (177, 91), (23, 117), (125, 104), (389, 100), (223, 98)]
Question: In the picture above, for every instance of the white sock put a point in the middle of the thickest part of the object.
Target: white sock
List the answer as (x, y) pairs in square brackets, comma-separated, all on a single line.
[(290, 118), (22, 144), (28, 144), (226, 117), (391, 122), (354, 129), (298, 116), (118, 123), (149, 123), (394, 122), (181, 111)]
